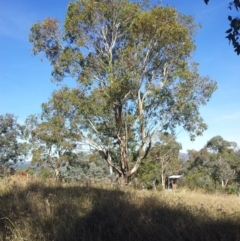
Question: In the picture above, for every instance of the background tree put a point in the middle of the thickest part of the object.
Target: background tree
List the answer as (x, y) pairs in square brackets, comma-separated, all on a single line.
[(135, 78), (165, 154), (233, 32), (12, 146), (224, 162), (55, 134), (86, 166), (218, 161), (237, 167), (197, 175)]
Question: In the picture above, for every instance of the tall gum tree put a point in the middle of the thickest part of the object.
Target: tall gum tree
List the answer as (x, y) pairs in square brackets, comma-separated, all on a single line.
[(134, 71)]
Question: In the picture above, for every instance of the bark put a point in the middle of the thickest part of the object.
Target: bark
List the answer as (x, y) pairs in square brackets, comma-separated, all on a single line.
[(163, 181), (225, 182), (154, 185), (58, 176), (124, 158)]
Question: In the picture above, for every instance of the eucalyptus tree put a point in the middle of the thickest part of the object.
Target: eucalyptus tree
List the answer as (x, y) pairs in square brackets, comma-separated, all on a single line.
[(85, 166), (13, 148), (218, 145), (165, 153), (218, 159), (54, 134), (132, 62), (163, 160), (225, 161)]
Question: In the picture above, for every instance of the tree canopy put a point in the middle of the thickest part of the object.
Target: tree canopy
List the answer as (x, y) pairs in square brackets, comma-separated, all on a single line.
[(12, 146), (219, 159), (164, 157), (134, 73), (54, 134)]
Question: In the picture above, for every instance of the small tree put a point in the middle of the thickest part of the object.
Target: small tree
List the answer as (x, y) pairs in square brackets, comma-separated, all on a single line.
[(135, 78), (224, 159), (53, 135), (12, 146), (218, 160), (86, 166), (165, 153), (220, 171)]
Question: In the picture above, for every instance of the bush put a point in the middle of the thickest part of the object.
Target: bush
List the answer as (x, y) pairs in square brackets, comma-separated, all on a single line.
[(233, 189), (46, 173), (198, 180)]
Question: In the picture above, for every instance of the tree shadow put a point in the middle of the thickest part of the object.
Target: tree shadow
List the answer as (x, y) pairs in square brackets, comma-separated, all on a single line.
[(90, 214)]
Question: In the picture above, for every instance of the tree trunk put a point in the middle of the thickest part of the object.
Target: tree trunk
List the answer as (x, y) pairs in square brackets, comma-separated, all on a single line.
[(58, 176), (122, 180), (111, 173), (163, 181), (162, 175), (124, 159), (154, 185)]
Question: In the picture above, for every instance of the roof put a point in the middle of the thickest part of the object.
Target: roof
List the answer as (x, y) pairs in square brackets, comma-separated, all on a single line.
[(175, 176)]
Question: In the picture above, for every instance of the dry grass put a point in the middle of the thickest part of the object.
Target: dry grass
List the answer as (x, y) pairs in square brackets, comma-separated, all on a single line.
[(36, 210)]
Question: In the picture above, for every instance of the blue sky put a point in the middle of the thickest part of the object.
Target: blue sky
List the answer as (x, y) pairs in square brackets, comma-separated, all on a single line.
[(25, 80)]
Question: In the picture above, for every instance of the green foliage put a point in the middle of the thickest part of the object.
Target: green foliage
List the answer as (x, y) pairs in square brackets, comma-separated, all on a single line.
[(12, 146), (220, 172), (149, 174), (54, 134), (46, 173), (135, 78), (218, 160), (199, 180), (219, 145), (233, 189), (161, 162), (86, 167), (224, 159)]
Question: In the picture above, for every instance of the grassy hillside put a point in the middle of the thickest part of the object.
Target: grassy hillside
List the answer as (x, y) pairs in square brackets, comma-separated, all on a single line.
[(36, 210)]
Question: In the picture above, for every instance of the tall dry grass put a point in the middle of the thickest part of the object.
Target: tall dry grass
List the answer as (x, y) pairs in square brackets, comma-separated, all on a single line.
[(41, 210)]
